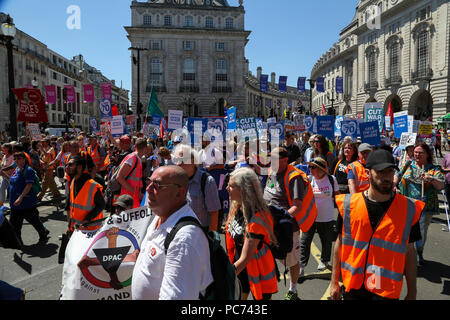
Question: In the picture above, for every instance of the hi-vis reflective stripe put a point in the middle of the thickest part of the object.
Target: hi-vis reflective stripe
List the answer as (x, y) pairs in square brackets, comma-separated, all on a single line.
[(385, 273), (261, 253), (88, 206), (357, 182), (348, 240), (266, 277), (310, 207)]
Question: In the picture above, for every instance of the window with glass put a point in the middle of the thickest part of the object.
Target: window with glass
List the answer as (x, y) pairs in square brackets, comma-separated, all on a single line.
[(156, 74), (188, 45), (422, 53), (220, 46), (189, 21), (189, 73), (209, 22), (147, 20), (167, 20), (372, 68), (394, 61), (229, 23), (221, 73)]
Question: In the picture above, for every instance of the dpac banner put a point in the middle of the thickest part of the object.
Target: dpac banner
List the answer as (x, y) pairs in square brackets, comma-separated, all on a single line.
[(370, 133), (99, 264), (374, 112), (339, 85), (50, 94), (325, 126), (105, 108), (31, 105), (70, 94), (301, 84), (349, 128), (88, 93), (282, 84), (264, 82), (106, 90), (175, 119), (231, 118), (320, 84)]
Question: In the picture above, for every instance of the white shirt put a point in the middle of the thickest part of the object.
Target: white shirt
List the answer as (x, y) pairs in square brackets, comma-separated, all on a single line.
[(183, 273), (323, 195)]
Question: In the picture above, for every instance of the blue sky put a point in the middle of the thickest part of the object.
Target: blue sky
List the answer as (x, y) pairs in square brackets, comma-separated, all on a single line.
[(288, 36)]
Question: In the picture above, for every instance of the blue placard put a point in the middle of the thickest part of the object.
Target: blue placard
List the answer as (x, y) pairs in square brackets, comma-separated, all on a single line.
[(320, 84), (325, 126), (276, 128), (339, 85), (94, 124), (301, 84), (231, 117), (337, 125), (400, 125), (219, 176), (215, 126), (349, 128), (309, 123), (370, 133), (105, 108), (156, 120), (282, 84), (264, 82)]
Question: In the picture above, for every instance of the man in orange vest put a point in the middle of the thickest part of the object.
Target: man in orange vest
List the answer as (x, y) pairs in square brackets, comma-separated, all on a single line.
[(289, 188), (85, 201), (97, 154), (375, 247), (358, 180)]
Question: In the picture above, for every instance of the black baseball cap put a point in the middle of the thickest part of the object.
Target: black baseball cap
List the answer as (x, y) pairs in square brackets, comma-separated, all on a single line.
[(380, 159)]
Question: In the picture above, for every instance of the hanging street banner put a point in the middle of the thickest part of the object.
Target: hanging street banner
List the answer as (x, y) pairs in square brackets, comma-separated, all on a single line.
[(325, 126), (264, 83), (89, 95), (301, 84), (31, 105), (99, 264), (106, 91), (349, 127), (175, 119), (370, 133), (339, 85), (70, 94), (282, 84), (320, 84), (105, 108), (50, 94), (374, 112)]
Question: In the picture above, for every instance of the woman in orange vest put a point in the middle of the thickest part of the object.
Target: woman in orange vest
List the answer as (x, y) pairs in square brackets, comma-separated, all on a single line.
[(374, 251), (358, 180), (249, 230)]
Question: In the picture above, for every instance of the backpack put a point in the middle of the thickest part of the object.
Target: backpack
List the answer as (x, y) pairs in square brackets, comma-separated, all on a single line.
[(37, 182), (283, 231), (225, 285)]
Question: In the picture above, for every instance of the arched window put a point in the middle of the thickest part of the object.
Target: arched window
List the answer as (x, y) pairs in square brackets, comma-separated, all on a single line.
[(422, 65), (156, 74)]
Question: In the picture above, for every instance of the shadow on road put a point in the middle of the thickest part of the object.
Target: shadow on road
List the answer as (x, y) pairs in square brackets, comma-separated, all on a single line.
[(435, 272), (40, 250)]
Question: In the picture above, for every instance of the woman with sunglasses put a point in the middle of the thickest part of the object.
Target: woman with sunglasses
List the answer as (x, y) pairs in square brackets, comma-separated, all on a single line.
[(325, 187), (348, 155), (322, 149), (23, 199)]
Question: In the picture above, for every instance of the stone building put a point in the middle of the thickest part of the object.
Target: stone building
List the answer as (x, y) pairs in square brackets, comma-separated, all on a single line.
[(394, 52)]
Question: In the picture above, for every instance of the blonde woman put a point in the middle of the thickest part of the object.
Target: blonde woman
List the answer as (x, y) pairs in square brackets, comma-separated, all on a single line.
[(249, 230)]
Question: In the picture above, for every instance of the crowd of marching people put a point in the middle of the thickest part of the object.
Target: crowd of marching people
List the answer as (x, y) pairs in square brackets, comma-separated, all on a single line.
[(306, 176)]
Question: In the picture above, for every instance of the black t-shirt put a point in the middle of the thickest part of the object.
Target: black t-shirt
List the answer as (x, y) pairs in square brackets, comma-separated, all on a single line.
[(294, 152), (376, 211), (339, 171)]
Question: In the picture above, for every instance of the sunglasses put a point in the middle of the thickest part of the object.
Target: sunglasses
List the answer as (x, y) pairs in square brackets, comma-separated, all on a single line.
[(157, 185)]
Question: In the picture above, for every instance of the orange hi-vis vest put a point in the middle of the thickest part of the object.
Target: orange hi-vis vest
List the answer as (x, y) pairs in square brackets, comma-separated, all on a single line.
[(95, 155), (375, 258), (362, 182), (134, 179), (308, 213), (84, 203), (261, 268)]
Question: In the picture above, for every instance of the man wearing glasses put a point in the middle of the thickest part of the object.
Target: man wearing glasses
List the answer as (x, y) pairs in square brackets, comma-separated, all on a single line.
[(184, 270)]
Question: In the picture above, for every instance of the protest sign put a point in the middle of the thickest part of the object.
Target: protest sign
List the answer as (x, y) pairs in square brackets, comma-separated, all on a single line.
[(34, 131), (105, 108), (400, 123), (425, 130), (31, 105), (370, 133), (117, 126), (374, 112), (309, 124), (276, 130), (325, 126), (175, 119), (407, 138), (349, 128), (248, 127), (99, 264), (94, 124), (231, 118), (337, 125)]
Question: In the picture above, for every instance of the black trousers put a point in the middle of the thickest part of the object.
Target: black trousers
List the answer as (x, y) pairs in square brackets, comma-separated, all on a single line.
[(325, 231), (31, 216)]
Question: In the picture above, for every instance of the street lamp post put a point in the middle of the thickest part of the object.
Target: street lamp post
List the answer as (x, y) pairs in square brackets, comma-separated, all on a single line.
[(331, 111), (8, 33), (312, 84), (138, 95)]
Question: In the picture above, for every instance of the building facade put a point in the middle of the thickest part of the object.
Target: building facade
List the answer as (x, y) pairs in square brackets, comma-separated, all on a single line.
[(394, 52), (36, 65)]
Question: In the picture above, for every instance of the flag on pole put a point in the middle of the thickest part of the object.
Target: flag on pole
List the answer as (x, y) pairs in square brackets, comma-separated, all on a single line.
[(324, 111), (390, 113), (153, 105), (161, 129)]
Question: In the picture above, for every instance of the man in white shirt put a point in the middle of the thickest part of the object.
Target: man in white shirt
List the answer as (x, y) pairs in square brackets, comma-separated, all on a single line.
[(185, 271)]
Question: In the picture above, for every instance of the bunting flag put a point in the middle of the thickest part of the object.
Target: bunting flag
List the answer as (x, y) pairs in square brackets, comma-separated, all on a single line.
[(153, 105)]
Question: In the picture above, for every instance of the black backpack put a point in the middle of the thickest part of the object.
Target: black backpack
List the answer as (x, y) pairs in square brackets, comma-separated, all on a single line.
[(283, 231), (225, 285)]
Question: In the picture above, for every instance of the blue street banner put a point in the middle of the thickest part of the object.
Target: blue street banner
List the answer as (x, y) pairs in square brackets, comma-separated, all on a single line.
[(337, 125), (301, 84), (320, 84), (400, 123), (282, 84), (268, 103), (276, 129), (105, 108), (374, 112), (264, 82), (325, 126), (231, 117), (349, 128), (370, 133), (339, 85)]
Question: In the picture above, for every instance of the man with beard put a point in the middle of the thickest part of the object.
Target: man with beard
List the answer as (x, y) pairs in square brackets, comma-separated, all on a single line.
[(375, 246), (85, 201)]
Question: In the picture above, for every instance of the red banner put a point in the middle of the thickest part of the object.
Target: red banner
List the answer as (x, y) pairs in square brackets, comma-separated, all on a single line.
[(31, 105)]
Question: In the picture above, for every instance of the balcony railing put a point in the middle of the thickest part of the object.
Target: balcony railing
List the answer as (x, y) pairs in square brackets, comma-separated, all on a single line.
[(222, 89), (156, 88), (422, 74), (393, 80), (371, 85), (189, 89)]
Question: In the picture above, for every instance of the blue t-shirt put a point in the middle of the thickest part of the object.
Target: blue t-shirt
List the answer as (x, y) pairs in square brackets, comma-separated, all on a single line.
[(17, 183)]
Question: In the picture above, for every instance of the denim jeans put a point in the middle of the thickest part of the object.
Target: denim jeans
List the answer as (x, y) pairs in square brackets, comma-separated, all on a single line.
[(424, 222)]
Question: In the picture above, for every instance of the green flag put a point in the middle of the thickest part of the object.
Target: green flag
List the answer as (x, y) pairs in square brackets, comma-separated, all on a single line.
[(153, 105)]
